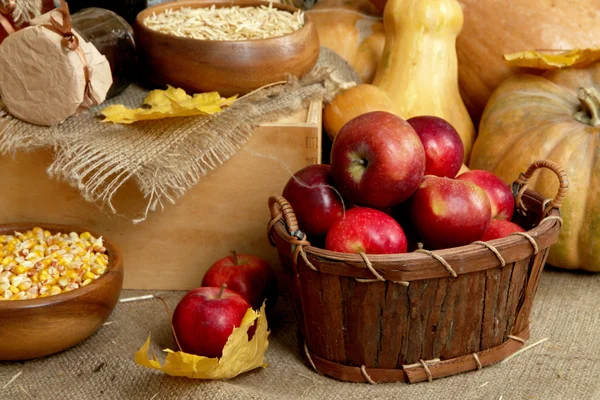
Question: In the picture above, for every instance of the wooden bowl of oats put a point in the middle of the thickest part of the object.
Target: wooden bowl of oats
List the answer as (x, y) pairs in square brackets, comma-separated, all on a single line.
[(229, 46)]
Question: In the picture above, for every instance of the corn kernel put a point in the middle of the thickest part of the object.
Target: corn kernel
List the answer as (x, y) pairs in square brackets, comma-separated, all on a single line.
[(16, 280), (85, 235), (89, 275), (19, 269), (35, 263), (51, 281)]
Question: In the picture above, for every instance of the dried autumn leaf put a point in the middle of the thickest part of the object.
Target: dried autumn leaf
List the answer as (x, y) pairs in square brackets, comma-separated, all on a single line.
[(173, 102), (239, 354), (548, 60)]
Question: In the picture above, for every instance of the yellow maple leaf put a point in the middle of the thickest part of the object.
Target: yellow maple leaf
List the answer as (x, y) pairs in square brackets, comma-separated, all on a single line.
[(548, 60), (172, 102), (239, 354)]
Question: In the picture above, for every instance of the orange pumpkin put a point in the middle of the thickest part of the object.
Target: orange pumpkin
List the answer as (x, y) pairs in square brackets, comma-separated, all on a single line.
[(555, 116), (493, 28)]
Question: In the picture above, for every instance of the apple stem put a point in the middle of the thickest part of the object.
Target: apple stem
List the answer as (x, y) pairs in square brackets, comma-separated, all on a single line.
[(223, 286), (235, 258), (170, 320)]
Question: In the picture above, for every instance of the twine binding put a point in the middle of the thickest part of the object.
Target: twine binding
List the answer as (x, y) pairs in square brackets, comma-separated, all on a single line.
[(427, 371), (518, 339), (493, 250), (476, 357), (536, 248), (309, 357), (553, 217), (374, 272), (363, 369), (440, 259)]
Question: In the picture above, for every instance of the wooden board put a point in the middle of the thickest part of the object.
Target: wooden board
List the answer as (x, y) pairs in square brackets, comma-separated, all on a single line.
[(173, 248)]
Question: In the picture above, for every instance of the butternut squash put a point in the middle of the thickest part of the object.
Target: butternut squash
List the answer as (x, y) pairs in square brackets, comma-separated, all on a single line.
[(354, 30), (419, 67)]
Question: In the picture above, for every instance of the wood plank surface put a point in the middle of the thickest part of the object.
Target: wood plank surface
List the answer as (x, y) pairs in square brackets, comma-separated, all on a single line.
[(173, 248)]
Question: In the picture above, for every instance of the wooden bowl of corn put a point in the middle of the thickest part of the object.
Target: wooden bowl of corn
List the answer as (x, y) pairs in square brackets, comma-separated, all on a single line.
[(58, 285), (229, 46)]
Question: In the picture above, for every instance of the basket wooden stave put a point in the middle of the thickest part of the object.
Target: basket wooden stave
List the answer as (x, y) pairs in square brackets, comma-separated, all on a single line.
[(374, 330)]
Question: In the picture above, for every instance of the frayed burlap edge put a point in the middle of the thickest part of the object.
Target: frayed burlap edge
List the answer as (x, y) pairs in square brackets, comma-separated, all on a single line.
[(24, 10), (165, 158)]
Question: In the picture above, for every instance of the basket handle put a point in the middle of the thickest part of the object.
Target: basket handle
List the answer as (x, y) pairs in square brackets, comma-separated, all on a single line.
[(520, 185), (282, 210)]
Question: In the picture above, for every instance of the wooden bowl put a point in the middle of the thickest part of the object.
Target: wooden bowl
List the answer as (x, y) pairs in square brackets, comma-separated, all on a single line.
[(39, 327), (229, 67)]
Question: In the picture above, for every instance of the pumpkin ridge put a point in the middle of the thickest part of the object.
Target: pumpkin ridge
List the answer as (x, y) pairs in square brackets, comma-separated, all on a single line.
[(584, 233)]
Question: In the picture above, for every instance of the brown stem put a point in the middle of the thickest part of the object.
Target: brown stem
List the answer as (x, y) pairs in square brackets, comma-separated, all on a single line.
[(590, 103), (170, 320), (223, 286), (235, 258)]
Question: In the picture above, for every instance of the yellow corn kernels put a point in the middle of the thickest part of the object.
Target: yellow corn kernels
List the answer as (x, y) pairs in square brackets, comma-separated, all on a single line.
[(36, 263)]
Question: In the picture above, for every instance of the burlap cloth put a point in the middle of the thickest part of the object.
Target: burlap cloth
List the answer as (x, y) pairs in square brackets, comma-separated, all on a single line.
[(565, 367), (164, 157)]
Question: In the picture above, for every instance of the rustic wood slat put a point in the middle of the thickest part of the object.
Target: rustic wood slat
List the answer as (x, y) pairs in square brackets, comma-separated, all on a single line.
[(492, 284), (502, 315), (446, 325), (475, 312), (393, 336), (433, 322), (317, 331), (331, 306), (362, 319), (515, 293)]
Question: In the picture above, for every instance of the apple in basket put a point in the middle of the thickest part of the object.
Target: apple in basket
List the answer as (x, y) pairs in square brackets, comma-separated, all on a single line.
[(448, 212), (249, 276), (366, 230), (316, 203), (205, 318), (501, 197), (377, 160), (500, 228), (444, 150)]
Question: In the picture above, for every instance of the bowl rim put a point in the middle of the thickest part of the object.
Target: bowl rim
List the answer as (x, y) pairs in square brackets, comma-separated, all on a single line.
[(176, 5), (115, 266)]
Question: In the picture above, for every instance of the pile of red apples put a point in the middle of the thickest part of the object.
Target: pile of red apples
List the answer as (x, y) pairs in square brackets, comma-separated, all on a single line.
[(392, 187)]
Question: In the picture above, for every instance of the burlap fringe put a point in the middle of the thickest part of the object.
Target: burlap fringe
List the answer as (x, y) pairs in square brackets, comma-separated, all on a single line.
[(167, 157), (25, 10)]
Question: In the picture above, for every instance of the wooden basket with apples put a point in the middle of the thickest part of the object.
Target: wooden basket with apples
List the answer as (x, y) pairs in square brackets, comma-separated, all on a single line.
[(386, 294)]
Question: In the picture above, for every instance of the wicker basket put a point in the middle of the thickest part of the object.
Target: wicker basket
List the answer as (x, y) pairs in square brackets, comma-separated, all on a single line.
[(421, 315)]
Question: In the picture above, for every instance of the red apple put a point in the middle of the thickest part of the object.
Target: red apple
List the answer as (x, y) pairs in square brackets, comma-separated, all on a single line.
[(444, 150), (204, 319), (249, 276), (448, 212), (501, 197), (377, 160), (500, 228), (316, 204), (365, 230)]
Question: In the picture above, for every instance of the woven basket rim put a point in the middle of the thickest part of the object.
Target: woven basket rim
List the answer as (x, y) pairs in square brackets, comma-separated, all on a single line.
[(544, 234)]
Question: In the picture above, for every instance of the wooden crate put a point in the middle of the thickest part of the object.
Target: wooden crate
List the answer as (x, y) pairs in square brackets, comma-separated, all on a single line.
[(173, 248)]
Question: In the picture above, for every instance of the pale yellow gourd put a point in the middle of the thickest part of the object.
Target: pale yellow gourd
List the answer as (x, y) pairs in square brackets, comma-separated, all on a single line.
[(419, 68)]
